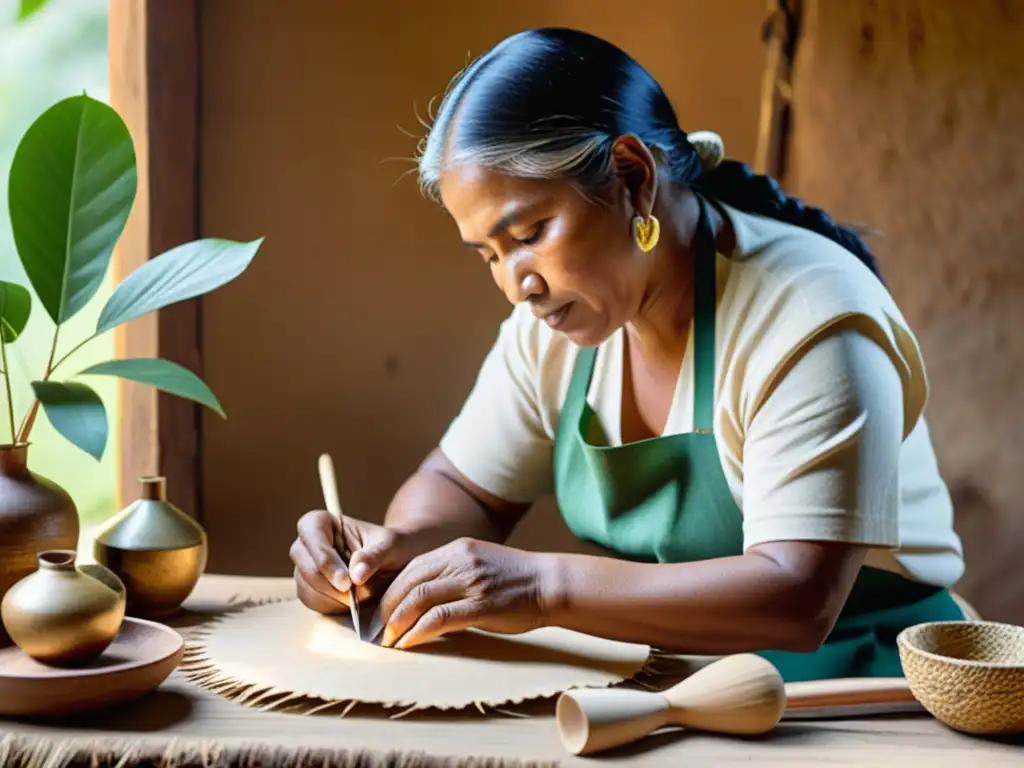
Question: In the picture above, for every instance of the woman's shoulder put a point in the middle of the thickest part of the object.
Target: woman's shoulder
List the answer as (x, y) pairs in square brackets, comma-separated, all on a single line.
[(788, 287), (802, 273), (775, 254)]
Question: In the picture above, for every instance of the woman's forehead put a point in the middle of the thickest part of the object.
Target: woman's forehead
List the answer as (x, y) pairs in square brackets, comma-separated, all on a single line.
[(479, 198), (471, 181)]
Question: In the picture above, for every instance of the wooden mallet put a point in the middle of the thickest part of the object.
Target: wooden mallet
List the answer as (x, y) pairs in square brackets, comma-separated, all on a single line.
[(740, 695)]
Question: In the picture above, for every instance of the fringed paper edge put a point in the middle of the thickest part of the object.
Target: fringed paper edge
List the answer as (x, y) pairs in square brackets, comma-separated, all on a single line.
[(30, 752), (200, 670)]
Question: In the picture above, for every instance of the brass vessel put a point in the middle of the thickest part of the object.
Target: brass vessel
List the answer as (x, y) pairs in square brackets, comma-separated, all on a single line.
[(35, 515), (157, 550), (64, 614)]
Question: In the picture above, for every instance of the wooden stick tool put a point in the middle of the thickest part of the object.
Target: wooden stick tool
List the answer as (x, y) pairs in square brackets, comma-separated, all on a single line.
[(329, 486), (741, 694)]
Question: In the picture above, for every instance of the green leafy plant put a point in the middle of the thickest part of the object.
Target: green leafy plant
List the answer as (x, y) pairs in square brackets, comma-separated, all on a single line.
[(72, 185)]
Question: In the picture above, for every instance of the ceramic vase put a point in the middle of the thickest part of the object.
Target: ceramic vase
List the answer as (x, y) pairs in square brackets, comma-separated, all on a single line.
[(157, 550), (36, 514), (64, 614)]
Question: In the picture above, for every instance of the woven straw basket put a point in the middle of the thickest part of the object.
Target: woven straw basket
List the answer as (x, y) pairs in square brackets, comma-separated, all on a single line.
[(968, 674)]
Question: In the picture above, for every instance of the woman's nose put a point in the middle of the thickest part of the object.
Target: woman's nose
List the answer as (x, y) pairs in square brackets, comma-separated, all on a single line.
[(522, 282)]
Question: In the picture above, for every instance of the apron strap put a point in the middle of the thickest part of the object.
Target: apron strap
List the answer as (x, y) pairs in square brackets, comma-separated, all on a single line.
[(582, 371), (705, 297)]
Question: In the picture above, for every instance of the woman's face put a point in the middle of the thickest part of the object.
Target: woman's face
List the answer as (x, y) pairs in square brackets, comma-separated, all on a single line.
[(573, 260)]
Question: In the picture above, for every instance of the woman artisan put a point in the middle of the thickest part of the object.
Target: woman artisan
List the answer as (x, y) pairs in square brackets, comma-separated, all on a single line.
[(710, 377)]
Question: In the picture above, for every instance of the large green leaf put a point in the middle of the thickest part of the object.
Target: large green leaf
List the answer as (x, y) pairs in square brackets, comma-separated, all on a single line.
[(15, 308), (181, 273), (161, 374), (71, 188), (76, 412)]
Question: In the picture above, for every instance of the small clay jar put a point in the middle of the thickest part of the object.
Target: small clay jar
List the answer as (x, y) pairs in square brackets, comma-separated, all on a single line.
[(157, 550), (64, 614), (35, 515)]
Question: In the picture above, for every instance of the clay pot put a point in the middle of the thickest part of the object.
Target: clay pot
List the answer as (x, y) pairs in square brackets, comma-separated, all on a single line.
[(36, 514), (157, 550), (64, 614)]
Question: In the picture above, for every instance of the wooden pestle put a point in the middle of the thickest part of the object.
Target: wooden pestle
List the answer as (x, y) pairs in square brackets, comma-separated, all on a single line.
[(741, 694)]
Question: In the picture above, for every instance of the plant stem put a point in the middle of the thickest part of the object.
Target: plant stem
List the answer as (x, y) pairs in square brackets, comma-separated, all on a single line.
[(71, 351), (51, 366), (30, 418), (7, 382)]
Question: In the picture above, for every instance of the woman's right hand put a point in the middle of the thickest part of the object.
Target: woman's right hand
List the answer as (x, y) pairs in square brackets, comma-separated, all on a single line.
[(321, 579)]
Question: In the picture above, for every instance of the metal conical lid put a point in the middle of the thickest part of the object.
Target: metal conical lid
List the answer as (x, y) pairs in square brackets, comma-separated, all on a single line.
[(151, 522)]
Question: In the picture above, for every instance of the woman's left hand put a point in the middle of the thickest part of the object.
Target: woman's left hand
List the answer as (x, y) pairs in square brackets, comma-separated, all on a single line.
[(467, 583)]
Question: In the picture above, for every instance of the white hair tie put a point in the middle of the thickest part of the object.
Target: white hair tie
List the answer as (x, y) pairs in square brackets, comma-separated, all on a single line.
[(709, 147)]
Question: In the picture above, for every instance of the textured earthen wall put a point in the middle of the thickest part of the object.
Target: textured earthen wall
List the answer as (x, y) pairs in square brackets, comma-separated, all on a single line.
[(909, 117)]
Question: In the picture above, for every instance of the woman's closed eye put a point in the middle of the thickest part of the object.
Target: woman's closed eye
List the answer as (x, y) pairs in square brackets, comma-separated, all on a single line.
[(534, 235), (531, 238)]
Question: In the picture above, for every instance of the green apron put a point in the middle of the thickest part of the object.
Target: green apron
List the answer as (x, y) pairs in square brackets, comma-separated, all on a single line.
[(666, 500)]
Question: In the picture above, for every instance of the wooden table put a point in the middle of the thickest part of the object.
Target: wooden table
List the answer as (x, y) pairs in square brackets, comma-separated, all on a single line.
[(181, 712)]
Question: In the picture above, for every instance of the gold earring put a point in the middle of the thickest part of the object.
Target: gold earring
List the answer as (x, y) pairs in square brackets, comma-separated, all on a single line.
[(646, 231)]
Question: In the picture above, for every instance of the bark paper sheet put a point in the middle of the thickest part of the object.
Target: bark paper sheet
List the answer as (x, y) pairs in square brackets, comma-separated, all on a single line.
[(281, 653)]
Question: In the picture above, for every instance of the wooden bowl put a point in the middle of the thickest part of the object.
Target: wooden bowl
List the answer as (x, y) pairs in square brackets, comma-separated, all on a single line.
[(968, 674), (141, 657)]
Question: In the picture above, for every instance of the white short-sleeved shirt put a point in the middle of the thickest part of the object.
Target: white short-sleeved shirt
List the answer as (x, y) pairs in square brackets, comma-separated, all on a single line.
[(820, 391)]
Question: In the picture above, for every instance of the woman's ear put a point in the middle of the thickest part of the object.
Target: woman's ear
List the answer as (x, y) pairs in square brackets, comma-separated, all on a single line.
[(637, 170)]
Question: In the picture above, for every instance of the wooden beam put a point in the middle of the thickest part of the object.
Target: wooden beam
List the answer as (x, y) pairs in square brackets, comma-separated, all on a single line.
[(154, 85), (781, 32)]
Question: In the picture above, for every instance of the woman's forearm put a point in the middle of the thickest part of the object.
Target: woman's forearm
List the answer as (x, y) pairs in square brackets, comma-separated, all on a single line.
[(435, 511), (786, 599), (436, 505)]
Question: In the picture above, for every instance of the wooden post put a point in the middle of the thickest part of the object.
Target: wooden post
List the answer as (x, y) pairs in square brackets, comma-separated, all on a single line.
[(154, 85), (780, 34)]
